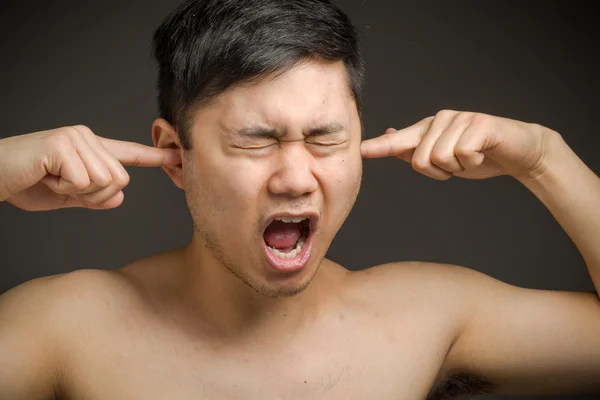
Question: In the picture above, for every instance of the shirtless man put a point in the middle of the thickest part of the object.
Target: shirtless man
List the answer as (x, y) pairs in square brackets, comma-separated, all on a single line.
[(260, 126)]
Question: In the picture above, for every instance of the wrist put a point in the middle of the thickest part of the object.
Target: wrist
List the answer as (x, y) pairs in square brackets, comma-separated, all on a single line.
[(555, 154)]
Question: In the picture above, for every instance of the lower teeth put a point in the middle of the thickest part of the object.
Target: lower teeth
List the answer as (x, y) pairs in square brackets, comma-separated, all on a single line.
[(292, 253)]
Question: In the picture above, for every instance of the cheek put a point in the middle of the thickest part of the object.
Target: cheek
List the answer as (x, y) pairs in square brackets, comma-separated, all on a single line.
[(229, 187), (222, 202), (243, 184), (341, 180), (203, 197), (351, 181), (351, 167)]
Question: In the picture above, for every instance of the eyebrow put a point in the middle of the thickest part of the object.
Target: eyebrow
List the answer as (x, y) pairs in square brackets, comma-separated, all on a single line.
[(269, 132)]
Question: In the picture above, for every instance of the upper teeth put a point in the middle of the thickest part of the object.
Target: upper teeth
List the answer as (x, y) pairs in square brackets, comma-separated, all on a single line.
[(291, 219)]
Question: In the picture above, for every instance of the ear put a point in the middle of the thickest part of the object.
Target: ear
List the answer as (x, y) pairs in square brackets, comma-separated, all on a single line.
[(164, 136)]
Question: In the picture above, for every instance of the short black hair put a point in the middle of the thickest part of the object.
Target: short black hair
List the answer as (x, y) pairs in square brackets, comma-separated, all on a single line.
[(205, 47)]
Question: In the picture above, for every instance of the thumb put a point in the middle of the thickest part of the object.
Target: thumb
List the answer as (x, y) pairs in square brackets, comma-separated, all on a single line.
[(114, 202)]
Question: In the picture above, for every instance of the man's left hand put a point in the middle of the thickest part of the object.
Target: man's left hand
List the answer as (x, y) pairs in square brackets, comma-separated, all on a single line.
[(466, 144)]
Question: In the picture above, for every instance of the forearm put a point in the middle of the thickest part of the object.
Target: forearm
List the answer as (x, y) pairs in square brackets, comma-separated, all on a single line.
[(571, 191)]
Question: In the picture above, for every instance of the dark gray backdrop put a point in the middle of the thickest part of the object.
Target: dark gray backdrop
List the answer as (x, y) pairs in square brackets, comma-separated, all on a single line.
[(73, 62)]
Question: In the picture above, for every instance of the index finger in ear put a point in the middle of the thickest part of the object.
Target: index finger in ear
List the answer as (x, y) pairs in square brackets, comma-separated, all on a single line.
[(139, 155), (396, 142)]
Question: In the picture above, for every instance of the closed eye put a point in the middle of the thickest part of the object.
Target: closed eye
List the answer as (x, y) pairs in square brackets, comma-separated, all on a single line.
[(255, 144), (325, 146), (327, 139), (255, 147), (326, 143)]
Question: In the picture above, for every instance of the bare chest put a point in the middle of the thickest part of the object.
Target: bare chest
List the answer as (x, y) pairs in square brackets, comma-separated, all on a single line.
[(358, 362)]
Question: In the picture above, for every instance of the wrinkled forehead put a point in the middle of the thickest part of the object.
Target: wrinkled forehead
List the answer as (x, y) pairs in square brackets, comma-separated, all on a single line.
[(308, 94)]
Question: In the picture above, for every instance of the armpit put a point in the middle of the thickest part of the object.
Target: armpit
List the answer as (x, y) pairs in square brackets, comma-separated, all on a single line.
[(459, 386)]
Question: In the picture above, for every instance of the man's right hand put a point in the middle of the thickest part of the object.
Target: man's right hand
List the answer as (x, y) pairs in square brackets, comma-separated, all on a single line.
[(71, 167)]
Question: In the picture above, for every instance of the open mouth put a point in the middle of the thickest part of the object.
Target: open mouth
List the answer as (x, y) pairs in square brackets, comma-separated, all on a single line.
[(287, 242), (285, 236)]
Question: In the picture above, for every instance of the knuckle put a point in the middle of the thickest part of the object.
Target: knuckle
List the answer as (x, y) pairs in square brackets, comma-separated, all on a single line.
[(463, 151), (441, 158), (464, 116), (88, 199), (137, 160), (71, 131), (539, 130), (427, 121), (481, 119), (95, 201), (420, 164), (444, 114), (82, 130), (103, 180), (122, 179), (60, 140), (81, 184)]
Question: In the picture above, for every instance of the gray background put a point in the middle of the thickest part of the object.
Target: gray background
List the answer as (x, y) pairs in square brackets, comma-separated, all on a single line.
[(73, 62)]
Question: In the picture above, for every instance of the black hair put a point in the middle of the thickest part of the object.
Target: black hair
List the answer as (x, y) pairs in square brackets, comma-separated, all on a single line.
[(459, 386), (205, 47)]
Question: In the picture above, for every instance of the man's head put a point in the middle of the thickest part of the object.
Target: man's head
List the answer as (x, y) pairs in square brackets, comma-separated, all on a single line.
[(263, 98)]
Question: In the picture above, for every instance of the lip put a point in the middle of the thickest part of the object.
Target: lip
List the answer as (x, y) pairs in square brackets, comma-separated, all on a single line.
[(301, 260), (291, 265)]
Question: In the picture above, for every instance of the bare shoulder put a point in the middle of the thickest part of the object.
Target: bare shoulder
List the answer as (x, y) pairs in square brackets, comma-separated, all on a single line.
[(446, 291), (63, 297), (43, 319), (86, 303), (437, 300), (427, 296), (431, 284), (50, 291)]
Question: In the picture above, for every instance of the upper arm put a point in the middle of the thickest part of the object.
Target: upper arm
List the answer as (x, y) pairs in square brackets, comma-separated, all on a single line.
[(29, 359), (524, 341)]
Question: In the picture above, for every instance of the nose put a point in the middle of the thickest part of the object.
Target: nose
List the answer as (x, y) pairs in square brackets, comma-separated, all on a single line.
[(293, 175)]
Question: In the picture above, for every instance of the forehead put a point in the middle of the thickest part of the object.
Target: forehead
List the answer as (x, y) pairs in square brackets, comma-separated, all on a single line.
[(307, 93)]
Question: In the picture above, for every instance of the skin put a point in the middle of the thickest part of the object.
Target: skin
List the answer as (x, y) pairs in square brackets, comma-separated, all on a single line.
[(293, 170), (212, 320)]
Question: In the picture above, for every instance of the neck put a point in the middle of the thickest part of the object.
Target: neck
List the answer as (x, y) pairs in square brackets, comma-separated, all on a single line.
[(231, 309)]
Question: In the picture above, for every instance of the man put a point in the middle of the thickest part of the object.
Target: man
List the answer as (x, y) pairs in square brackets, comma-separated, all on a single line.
[(260, 126)]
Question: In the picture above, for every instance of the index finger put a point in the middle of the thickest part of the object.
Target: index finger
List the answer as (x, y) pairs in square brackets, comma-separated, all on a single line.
[(139, 155), (395, 143)]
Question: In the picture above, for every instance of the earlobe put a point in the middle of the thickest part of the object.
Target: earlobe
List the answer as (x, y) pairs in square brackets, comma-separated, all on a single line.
[(164, 136)]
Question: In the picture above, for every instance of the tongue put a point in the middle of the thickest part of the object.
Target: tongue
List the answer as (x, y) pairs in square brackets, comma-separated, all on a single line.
[(282, 235)]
